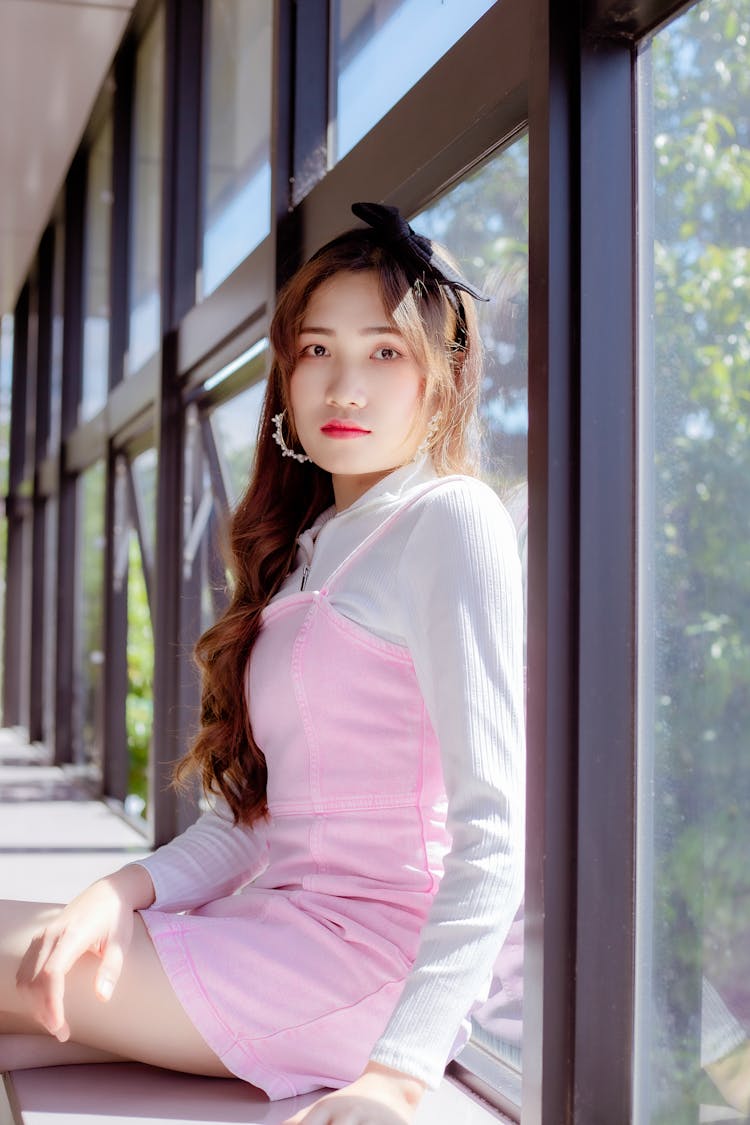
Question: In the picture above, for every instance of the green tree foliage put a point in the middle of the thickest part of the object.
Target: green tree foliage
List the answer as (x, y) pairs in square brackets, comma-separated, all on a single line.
[(700, 149), (90, 615), (139, 705)]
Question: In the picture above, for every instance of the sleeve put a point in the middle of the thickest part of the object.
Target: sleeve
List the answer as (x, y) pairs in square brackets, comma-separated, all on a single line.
[(721, 1032), (461, 578), (209, 860)]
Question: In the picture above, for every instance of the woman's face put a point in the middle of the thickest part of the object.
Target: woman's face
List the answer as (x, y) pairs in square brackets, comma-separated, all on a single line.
[(355, 391)]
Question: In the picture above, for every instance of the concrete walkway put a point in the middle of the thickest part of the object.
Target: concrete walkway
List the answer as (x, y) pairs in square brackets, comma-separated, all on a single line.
[(55, 836)]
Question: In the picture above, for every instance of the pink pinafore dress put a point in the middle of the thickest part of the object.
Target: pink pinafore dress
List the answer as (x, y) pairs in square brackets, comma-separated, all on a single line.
[(292, 980)]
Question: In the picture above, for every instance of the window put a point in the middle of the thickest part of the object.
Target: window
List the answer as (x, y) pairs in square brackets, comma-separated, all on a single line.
[(694, 650), (237, 173), (484, 222), (381, 48), (97, 275), (234, 426), (147, 158), (89, 641), (6, 379), (136, 499), (222, 423)]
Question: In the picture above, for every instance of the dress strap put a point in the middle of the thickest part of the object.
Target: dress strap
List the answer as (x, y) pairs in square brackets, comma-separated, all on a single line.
[(370, 540)]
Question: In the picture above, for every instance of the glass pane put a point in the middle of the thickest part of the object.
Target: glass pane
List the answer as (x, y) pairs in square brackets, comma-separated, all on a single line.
[(96, 275), (58, 285), (50, 617), (6, 381), (89, 647), (693, 1010), (484, 222), (6, 384), (144, 478), (237, 177), (234, 426), (145, 304), (139, 704), (381, 48)]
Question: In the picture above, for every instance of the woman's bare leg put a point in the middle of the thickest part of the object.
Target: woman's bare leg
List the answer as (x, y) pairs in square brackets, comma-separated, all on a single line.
[(143, 1020)]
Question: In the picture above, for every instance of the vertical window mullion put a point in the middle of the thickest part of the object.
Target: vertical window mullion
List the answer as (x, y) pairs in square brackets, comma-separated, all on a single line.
[(75, 210), (14, 514), (285, 236), (552, 594), (187, 144), (606, 692), (169, 736), (41, 438)]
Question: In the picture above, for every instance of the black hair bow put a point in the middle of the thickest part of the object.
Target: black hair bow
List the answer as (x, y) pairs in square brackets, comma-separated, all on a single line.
[(414, 251)]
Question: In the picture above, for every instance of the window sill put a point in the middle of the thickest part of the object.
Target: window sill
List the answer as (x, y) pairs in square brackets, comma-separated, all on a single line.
[(128, 1094)]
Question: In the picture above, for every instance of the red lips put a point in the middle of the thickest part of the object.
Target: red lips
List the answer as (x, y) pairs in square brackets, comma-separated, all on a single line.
[(341, 427)]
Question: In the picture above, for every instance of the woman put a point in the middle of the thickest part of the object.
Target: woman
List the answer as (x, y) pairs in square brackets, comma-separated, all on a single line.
[(362, 732)]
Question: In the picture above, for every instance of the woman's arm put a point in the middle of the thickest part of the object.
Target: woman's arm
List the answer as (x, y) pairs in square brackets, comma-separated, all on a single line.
[(211, 859), (463, 621)]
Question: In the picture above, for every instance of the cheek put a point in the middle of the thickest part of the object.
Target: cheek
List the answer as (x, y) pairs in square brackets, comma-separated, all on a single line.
[(296, 394)]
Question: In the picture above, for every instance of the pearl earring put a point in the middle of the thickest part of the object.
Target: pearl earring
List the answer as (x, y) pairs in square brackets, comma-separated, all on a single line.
[(278, 437), (432, 428)]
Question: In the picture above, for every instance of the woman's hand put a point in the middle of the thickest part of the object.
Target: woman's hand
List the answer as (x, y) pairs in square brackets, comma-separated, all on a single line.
[(380, 1096), (98, 921)]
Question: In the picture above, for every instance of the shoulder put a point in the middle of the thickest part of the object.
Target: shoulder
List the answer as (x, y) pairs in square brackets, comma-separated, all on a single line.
[(464, 505), (460, 528)]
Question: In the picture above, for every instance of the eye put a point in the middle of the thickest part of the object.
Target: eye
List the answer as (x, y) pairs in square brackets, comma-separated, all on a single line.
[(316, 351), (386, 353)]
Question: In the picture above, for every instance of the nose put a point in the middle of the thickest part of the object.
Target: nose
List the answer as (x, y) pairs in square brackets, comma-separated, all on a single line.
[(345, 387)]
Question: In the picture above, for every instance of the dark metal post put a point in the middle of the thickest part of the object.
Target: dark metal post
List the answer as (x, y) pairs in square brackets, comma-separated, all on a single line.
[(115, 750), (65, 709), (169, 731), (15, 505), (606, 701), (41, 438), (553, 568)]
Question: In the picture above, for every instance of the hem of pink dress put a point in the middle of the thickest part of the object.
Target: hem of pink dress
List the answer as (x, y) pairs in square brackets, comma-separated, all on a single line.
[(239, 1057)]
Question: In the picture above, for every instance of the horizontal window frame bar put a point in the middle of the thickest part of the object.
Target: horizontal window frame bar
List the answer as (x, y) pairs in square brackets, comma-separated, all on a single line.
[(491, 60)]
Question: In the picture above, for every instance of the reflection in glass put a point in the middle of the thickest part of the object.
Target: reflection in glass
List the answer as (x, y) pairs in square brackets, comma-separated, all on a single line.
[(483, 221), (237, 174), (235, 426), (693, 1011), (382, 48), (145, 274), (97, 274), (89, 617)]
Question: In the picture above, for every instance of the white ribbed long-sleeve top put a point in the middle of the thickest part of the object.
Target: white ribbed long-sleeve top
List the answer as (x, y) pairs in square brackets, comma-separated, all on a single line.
[(443, 580)]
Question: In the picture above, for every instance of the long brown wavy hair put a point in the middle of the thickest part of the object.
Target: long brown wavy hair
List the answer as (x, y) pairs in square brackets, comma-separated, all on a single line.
[(284, 497)]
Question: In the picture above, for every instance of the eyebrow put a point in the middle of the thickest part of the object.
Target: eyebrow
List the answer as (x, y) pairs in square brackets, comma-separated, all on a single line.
[(376, 330)]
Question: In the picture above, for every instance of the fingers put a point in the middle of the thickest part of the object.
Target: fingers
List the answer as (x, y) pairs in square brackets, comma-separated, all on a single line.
[(46, 964), (42, 976), (109, 971)]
